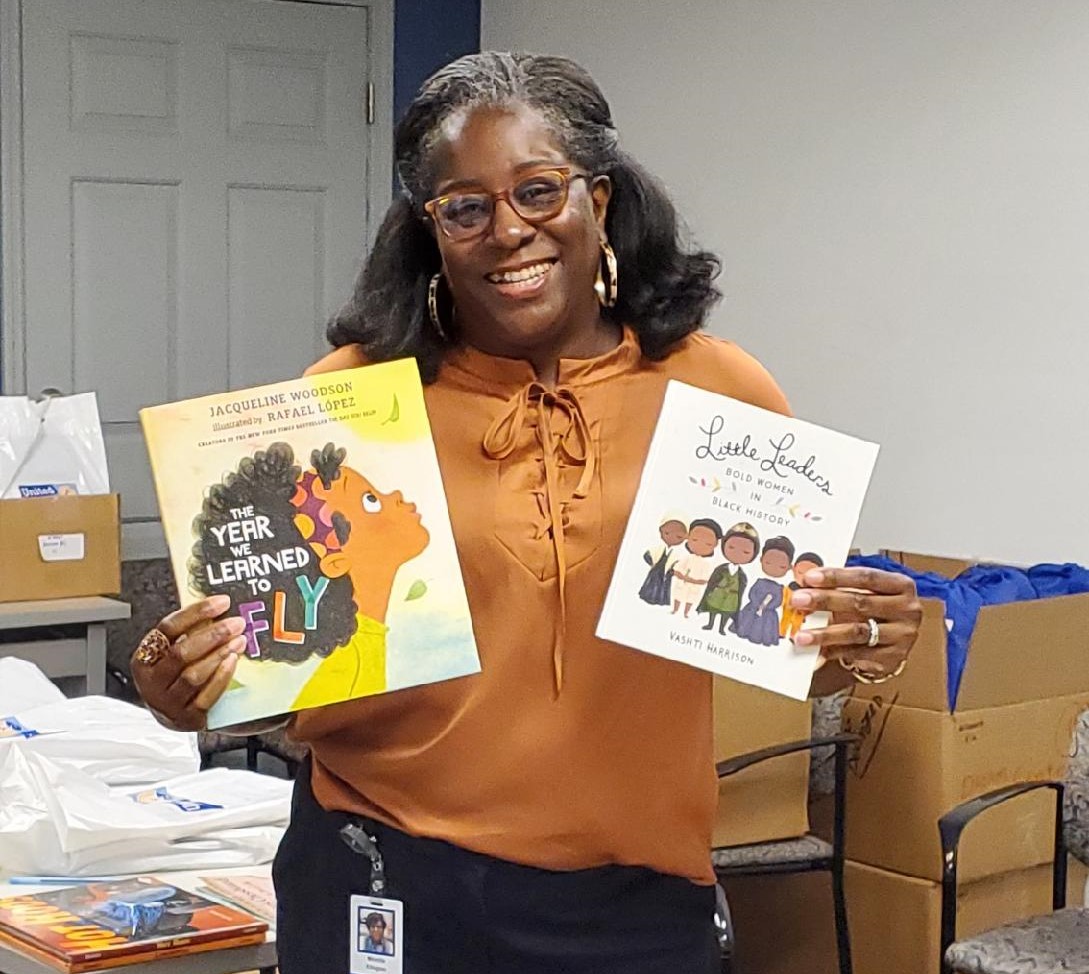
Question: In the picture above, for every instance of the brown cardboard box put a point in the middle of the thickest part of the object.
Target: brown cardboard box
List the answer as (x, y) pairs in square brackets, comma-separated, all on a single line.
[(1014, 721), (92, 521), (768, 800), (939, 564), (783, 924), (913, 765)]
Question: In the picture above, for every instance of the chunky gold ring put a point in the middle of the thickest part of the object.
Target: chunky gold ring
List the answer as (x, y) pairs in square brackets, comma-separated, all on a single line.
[(152, 648)]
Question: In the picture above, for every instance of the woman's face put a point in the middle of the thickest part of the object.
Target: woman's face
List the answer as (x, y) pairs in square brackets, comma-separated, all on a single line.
[(702, 541), (519, 286), (738, 549), (775, 563), (673, 532)]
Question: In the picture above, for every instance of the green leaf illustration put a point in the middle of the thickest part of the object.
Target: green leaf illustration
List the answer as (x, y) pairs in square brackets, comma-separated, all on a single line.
[(394, 413), (416, 590), (234, 685)]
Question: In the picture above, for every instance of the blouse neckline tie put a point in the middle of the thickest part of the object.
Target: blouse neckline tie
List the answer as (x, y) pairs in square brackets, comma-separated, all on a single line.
[(574, 445)]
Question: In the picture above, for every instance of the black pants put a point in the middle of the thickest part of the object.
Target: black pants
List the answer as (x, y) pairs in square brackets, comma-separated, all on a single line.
[(465, 912)]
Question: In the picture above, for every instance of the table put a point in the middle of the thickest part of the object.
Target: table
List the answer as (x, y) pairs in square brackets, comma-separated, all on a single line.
[(258, 957), (82, 649)]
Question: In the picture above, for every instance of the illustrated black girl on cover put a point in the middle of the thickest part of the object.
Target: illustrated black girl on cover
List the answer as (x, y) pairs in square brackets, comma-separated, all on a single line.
[(793, 618), (692, 569), (358, 538), (655, 590), (758, 622), (726, 586)]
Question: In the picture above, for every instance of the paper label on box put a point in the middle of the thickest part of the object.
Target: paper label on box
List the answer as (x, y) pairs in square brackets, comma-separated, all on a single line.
[(61, 547)]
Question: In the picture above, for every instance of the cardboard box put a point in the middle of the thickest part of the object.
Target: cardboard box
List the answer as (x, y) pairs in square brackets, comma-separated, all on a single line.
[(1024, 685), (768, 800), (783, 924), (60, 547), (914, 765), (939, 564)]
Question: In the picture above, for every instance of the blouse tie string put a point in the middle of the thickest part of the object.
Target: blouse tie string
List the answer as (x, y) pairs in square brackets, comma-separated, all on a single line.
[(541, 406)]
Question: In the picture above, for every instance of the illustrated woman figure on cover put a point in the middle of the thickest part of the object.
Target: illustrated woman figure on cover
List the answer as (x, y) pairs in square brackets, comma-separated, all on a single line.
[(692, 568), (373, 535), (726, 586), (656, 589), (538, 275), (793, 617), (758, 622)]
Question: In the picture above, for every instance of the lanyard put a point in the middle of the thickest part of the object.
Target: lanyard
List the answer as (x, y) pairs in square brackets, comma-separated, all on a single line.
[(357, 839)]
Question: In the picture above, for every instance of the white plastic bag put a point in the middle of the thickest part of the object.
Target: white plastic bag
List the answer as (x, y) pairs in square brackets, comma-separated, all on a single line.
[(56, 820), (51, 446), (111, 740), (217, 850), (23, 685), (115, 742)]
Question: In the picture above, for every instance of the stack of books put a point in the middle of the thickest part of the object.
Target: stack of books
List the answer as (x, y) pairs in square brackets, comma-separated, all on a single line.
[(111, 923)]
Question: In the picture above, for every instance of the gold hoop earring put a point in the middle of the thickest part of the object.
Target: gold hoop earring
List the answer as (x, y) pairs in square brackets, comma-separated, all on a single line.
[(606, 285), (433, 305)]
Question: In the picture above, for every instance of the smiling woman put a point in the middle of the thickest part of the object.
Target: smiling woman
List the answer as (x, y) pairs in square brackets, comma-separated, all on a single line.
[(482, 145), (547, 813)]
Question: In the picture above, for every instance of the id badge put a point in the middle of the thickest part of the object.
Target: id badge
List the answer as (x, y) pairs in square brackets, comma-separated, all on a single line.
[(376, 935)]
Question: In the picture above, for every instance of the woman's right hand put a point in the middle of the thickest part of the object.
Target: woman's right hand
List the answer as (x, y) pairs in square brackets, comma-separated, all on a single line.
[(194, 668)]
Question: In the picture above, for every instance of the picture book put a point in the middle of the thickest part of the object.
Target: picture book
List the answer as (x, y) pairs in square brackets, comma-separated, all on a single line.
[(317, 505), (255, 894), (111, 923), (734, 505)]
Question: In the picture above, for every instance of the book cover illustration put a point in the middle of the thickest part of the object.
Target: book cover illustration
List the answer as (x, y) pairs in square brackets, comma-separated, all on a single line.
[(317, 505), (734, 505), (113, 922)]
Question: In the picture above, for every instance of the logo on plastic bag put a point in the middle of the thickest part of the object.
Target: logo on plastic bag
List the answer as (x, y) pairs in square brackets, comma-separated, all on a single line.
[(160, 796), (13, 727), (47, 490)]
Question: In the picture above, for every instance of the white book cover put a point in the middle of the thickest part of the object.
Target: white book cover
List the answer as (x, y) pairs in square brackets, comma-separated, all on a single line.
[(734, 505)]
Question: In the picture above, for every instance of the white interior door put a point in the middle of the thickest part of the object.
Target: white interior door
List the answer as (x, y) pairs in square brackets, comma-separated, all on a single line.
[(195, 201)]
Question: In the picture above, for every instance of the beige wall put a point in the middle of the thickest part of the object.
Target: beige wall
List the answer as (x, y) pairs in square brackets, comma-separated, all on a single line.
[(900, 191)]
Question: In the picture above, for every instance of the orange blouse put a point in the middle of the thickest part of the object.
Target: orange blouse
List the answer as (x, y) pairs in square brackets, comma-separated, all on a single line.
[(566, 751)]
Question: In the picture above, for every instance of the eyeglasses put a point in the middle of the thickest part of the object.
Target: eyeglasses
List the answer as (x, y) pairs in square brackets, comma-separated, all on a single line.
[(540, 197)]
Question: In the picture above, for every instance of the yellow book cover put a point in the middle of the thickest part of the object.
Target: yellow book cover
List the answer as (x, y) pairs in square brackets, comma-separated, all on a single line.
[(317, 505)]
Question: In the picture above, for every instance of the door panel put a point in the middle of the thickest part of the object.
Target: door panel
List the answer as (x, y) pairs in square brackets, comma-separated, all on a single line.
[(195, 200), (276, 268)]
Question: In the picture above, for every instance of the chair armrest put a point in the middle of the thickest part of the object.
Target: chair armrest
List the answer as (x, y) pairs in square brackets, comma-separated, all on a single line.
[(953, 822), (119, 675), (733, 765)]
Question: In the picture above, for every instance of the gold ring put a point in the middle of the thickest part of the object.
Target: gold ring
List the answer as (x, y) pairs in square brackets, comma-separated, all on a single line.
[(152, 648)]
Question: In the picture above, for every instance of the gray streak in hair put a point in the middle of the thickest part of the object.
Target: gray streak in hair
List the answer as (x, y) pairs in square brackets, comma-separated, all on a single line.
[(564, 94)]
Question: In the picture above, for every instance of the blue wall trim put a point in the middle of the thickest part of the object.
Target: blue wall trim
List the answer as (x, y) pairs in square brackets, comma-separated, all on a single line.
[(426, 35)]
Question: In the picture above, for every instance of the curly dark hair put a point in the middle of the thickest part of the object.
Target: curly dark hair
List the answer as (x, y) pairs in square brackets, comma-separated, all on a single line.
[(267, 481), (665, 289)]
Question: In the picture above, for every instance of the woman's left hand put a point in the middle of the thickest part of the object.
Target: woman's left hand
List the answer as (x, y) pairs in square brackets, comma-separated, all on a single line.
[(855, 596)]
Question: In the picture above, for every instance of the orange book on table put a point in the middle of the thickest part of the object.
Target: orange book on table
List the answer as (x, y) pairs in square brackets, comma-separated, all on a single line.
[(98, 925)]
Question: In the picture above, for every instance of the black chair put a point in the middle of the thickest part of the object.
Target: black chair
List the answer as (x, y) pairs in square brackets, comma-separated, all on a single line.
[(274, 743), (1052, 943), (809, 853)]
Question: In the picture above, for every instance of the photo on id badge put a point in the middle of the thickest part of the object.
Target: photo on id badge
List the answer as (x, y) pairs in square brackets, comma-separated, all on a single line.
[(377, 937)]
